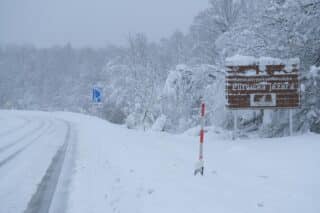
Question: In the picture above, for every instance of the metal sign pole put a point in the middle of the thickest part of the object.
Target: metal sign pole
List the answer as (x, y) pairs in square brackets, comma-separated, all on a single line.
[(235, 124), (290, 122)]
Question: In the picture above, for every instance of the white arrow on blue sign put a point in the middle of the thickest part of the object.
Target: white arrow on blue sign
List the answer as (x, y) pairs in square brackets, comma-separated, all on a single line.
[(97, 94)]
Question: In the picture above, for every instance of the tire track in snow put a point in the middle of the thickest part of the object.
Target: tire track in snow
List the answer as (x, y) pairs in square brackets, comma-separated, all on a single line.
[(22, 138), (13, 130), (17, 152), (42, 200)]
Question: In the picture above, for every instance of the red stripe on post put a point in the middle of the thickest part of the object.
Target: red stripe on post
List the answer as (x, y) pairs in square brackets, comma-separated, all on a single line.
[(203, 109), (201, 136)]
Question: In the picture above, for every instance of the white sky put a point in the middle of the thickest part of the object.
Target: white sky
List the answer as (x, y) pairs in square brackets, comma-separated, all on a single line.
[(92, 22)]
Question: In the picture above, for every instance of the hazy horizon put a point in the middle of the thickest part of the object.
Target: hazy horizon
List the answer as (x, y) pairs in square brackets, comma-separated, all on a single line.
[(95, 23)]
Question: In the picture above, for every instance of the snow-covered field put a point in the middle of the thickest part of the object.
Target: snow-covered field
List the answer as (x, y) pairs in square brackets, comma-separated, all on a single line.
[(66, 162)]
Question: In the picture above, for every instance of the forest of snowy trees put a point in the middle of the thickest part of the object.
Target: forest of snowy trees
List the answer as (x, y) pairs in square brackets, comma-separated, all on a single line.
[(158, 85)]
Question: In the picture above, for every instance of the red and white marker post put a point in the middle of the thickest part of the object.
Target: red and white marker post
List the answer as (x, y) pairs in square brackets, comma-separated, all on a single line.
[(200, 164)]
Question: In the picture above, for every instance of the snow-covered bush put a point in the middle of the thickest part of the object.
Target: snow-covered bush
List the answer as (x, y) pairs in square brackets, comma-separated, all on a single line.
[(160, 124), (183, 90)]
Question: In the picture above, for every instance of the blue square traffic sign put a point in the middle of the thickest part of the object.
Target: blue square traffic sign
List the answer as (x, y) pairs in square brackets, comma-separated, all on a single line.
[(97, 94)]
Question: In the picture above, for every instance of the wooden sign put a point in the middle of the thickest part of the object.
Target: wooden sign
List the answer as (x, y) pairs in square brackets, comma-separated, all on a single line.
[(262, 83)]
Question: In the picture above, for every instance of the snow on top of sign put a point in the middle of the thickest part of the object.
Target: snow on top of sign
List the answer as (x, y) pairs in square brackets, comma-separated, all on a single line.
[(250, 73), (239, 60), (263, 61)]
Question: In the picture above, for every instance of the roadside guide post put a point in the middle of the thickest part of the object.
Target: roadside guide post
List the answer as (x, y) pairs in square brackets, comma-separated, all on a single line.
[(200, 164)]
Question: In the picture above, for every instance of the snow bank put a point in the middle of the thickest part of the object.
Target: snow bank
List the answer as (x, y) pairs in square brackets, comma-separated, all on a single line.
[(131, 171)]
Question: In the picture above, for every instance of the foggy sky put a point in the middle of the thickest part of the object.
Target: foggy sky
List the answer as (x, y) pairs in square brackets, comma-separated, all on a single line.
[(92, 22)]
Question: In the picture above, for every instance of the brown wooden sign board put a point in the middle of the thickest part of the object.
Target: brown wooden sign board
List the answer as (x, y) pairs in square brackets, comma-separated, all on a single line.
[(252, 86)]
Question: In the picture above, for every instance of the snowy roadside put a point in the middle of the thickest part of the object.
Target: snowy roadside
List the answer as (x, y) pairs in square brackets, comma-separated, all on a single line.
[(120, 170)]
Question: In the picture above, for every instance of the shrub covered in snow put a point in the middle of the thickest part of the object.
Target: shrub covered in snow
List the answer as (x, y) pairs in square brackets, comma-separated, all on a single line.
[(181, 95)]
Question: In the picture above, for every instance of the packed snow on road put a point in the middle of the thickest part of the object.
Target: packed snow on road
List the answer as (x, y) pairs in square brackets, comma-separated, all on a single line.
[(67, 162)]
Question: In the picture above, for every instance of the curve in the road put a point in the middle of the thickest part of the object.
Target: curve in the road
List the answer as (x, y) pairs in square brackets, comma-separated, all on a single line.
[(14, 130), (42, 199), (17, 152), (22, 138)]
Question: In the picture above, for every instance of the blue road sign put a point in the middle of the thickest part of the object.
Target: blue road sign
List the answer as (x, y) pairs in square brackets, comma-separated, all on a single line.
[(96, 94)]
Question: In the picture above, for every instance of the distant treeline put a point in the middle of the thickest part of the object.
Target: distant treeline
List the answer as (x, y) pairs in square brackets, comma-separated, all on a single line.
[(143, 84)]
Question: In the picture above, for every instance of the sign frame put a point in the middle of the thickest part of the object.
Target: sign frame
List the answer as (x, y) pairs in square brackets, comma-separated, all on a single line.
[(264, 83)]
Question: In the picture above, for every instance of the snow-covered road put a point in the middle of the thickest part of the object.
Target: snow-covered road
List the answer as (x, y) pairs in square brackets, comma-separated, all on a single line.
[(33, 149), (66, 162)]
